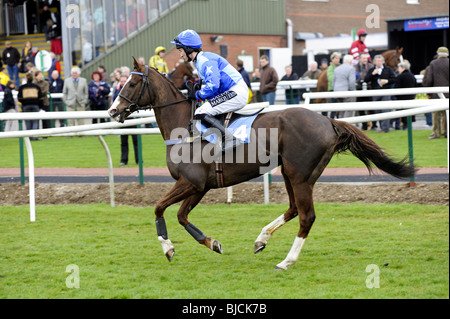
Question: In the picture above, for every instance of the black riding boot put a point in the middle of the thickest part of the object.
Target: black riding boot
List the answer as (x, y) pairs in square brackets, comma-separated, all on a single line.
[(229, 141)]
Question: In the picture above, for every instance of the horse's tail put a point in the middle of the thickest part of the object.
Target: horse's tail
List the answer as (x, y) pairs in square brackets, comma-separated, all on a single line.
[(352, 139)]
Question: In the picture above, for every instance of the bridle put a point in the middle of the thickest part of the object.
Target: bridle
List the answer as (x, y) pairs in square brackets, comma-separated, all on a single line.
[(134, 105)]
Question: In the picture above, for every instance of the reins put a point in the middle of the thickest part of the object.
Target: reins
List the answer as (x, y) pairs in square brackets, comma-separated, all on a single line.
[(145, 83), (135, 107)]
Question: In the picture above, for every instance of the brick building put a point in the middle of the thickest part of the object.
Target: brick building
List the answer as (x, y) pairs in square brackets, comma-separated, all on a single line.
[(333, 21), (232, 45), (330, 18)]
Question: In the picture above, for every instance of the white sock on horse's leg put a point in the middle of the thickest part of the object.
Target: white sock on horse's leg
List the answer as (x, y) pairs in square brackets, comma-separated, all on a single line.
[(167, 247), (293, 254), (268, 230), (166, 244)]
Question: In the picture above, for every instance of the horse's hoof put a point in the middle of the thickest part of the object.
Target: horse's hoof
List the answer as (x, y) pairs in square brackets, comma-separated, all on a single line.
[(279, 268), (259, 246), (216, 246), (170, 254)]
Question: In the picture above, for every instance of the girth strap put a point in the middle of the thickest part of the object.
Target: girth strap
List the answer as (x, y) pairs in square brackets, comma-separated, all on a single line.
[(219, 166), (219, 174)]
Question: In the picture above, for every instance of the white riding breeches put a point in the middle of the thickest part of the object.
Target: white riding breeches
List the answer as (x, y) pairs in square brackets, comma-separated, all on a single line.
[(232, 100)]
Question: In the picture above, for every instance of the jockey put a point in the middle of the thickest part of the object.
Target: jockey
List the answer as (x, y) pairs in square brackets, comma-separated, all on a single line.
[(224, 88), (157, 61), (358, 46)]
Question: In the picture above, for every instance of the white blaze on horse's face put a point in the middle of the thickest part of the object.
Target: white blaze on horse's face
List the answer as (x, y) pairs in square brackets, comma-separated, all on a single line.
[(113, 109)]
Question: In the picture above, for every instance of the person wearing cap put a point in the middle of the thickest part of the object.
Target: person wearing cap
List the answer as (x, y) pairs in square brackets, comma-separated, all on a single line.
[(225, 90), (358, 46), (11, 57), (436, 74), (157, 61)]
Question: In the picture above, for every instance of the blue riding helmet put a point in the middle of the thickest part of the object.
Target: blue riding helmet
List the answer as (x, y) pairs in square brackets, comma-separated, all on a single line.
[(188, 39)]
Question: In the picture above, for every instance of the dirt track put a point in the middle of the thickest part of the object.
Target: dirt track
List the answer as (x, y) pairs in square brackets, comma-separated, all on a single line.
[(132, 194)]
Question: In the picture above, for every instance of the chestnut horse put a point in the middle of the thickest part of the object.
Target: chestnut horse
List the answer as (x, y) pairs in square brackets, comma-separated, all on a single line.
[(393, 57), (304, 143), (183, 70)]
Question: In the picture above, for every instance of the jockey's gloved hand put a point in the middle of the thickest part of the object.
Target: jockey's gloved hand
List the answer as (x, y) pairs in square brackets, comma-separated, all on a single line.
[(193, 87), (191, 94)]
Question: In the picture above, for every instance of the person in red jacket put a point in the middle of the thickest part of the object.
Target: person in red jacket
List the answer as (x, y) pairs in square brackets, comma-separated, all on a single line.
[(358, 46)]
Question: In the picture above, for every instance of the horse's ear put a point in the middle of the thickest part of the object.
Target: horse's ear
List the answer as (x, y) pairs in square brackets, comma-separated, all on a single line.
[(136, 63), (400, 50)]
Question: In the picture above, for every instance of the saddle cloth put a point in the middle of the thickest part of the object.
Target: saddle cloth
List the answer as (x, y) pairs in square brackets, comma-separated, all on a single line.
[(239, 125)]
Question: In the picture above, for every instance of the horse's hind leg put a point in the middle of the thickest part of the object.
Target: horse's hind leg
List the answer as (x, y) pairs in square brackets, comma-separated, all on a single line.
[(181, 190), (186, 207), (267, 231), (304, 203)]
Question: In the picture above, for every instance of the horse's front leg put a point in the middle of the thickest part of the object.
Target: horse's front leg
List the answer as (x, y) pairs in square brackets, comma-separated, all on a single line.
[(268, 230), (186, 207), (181, 190)]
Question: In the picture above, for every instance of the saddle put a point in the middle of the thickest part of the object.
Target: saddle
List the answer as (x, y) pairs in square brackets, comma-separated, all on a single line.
[(236, 123), (227, 119)]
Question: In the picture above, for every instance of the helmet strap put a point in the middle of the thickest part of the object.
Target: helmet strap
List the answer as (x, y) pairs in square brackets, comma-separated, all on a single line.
[(188, 52)]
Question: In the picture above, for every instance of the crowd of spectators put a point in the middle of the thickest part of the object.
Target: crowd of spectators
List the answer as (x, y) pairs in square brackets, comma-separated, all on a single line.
[(358, 71)]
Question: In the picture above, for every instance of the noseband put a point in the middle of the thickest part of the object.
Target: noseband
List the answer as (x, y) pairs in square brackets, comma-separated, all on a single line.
[(134, 106)]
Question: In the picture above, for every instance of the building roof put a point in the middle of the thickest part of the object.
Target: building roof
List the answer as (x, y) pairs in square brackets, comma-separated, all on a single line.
[(417, 17)]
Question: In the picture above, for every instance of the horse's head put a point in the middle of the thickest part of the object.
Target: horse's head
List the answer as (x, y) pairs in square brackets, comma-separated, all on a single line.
[(184, 69), (189, 69), (393, 57), (135, 94)]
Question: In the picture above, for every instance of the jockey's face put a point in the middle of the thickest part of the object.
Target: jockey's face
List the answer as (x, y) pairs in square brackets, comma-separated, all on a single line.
[(183, 54)]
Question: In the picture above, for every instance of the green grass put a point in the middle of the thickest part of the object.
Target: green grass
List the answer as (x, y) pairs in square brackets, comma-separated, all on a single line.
[(88, 152), (118, 254), (81, 152)]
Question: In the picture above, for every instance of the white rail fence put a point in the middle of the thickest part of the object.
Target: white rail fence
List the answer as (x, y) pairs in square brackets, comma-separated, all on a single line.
[(113, 128), (381, 92), (280, 93), (282, 86)]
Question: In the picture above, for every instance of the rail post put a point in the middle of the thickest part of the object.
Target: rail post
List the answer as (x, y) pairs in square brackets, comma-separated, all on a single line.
[(110, 170), (22, 164), (412, 182), (141, 166)]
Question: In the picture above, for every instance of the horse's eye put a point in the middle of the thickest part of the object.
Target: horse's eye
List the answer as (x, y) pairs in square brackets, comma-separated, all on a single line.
[(132, 85)]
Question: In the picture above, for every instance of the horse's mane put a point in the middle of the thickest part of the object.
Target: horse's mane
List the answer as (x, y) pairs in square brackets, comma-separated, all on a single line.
[(171, 84)]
